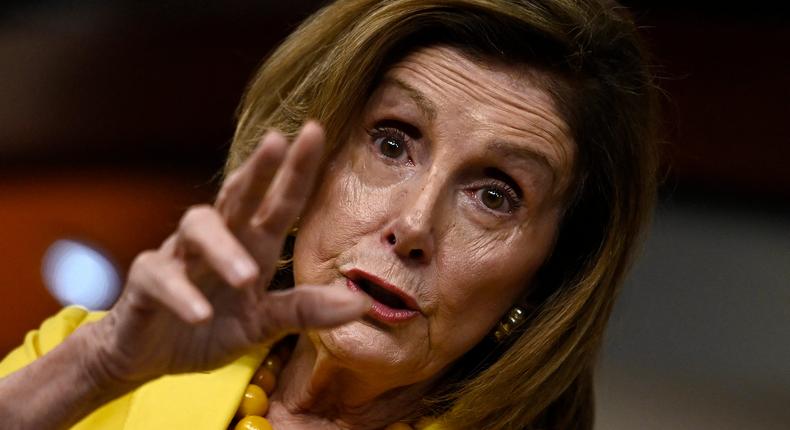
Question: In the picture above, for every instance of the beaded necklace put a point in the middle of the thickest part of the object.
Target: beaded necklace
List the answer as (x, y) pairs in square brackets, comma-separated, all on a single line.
[(255, 401)]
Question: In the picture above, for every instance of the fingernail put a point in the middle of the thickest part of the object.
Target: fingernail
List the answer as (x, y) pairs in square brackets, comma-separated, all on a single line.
[(350, 301), (269, 134), (201, 310), (312, 124), (243, 269)]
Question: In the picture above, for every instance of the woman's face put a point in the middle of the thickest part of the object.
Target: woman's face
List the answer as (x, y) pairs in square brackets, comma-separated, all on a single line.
[(441, 207)]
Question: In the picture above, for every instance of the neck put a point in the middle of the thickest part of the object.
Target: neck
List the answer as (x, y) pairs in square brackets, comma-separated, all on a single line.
[(317, 391)]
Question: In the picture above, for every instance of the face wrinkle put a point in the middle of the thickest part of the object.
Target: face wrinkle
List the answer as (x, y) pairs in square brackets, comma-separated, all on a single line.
[(468, 118)]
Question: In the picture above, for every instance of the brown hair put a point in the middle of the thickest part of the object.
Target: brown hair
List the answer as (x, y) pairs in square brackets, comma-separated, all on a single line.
[(542, 376)]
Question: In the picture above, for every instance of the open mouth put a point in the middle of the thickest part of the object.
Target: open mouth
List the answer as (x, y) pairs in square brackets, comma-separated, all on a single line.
[(390, 305), (380, 294)]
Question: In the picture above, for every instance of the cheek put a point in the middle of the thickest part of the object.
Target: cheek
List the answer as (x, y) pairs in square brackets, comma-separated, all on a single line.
[(481, 274), (344, 208)]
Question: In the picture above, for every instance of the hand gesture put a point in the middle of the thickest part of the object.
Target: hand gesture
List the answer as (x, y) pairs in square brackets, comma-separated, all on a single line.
[(201, 299)]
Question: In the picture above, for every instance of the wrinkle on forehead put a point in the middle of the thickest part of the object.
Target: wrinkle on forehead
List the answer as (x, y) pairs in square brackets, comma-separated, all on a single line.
[(508, 101)]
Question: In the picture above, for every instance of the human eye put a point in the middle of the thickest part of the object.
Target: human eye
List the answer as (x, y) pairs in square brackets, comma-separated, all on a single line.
[(391, 143), (498, 193), (498, 198)]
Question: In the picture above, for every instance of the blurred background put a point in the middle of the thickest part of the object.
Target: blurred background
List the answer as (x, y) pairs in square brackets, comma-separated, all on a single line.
[(116, 115)]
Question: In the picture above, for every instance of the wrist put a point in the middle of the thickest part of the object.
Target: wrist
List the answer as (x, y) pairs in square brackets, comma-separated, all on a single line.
[(98, 367), (76, 383)]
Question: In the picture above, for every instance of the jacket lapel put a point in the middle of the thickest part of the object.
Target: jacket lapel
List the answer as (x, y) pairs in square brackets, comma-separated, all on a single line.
[(194, 401)]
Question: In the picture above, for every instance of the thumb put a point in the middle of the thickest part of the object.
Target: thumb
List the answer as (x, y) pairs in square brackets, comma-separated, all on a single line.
[(306, 307)]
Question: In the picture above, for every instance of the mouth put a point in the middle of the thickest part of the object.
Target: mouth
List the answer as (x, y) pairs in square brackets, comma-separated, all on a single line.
[(390, 304)]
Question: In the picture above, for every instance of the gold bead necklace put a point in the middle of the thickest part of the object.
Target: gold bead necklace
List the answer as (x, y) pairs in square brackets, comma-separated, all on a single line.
[(255, 401)]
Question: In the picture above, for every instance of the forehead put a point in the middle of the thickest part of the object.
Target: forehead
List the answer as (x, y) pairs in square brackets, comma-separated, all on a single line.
[(508, 105)]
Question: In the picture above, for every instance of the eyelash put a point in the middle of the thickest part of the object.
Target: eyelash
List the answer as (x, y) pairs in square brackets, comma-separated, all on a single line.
[(513, 199), (383, 132)]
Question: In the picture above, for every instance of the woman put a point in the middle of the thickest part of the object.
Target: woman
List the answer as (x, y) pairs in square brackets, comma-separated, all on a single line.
[(484, 170)]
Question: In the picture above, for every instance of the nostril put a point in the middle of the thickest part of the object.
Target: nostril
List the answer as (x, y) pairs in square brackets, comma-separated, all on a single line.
[(391, 239), (415, 254)]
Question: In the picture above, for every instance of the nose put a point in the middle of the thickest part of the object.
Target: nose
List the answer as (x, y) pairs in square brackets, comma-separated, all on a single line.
[(411, 233)]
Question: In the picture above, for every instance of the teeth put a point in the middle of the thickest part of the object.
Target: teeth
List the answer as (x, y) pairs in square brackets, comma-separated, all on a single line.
[(381, 295)]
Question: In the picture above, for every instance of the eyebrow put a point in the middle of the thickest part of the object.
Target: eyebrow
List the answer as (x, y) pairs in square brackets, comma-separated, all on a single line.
[(427, 107), (504, 148), (507, 149)]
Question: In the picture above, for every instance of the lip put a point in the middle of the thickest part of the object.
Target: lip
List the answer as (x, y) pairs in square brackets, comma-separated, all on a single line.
[(379, 310)]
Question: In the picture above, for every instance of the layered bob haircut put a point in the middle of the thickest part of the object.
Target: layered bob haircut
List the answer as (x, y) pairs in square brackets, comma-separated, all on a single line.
[(599, 77)]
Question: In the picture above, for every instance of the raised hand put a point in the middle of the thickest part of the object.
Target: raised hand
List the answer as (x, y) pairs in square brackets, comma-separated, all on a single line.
[(200, 300)]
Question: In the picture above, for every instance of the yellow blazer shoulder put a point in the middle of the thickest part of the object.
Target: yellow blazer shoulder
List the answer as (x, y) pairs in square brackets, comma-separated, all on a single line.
[(195, 401)]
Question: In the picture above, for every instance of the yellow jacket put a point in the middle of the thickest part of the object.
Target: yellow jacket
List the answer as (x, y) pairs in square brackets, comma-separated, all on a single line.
[(194, 401)]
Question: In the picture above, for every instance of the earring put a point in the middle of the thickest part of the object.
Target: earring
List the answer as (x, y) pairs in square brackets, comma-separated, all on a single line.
[(514, 318)]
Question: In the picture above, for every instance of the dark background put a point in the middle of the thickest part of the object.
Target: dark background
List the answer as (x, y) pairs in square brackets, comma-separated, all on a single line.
[(116, 115)]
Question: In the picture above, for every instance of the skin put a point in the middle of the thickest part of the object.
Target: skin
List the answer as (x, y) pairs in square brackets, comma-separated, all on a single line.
[(462, 251), (474, 261), (197, 302)]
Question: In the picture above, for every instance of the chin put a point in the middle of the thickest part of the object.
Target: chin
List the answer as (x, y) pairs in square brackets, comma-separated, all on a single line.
[(364, 345)]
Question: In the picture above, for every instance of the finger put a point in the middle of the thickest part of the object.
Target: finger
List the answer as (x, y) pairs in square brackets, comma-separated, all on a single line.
[(307, 307), (163, 280), (203, 234), (243, 190), (290, 188)]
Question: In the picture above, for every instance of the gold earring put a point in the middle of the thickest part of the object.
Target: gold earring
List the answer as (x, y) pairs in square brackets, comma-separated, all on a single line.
[(514, 318)]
